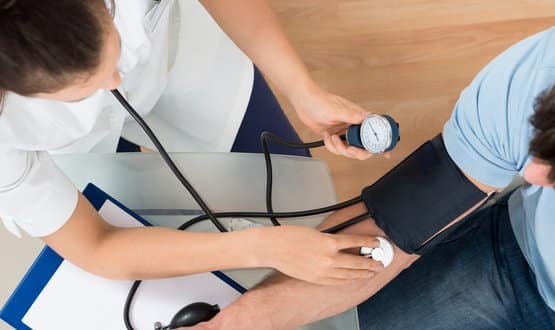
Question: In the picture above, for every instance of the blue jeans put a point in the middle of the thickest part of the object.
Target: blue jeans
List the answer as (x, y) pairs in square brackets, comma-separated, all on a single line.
[(263, 114), (477, 279)]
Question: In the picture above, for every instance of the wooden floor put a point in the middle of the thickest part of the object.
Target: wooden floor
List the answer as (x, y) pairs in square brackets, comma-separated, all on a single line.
[(407, 58)]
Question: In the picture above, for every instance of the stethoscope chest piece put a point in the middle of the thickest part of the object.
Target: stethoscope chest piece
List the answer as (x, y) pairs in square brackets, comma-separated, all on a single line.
[(383, 253)]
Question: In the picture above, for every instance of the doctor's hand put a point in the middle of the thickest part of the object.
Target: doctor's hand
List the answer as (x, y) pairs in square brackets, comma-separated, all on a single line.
[(330, 115), (312, 256)]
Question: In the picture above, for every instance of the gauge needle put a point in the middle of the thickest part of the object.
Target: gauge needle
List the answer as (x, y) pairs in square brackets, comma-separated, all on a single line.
[(375, 134)]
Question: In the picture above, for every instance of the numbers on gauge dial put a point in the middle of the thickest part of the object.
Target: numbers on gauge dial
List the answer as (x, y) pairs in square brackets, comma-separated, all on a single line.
[(376, 134)]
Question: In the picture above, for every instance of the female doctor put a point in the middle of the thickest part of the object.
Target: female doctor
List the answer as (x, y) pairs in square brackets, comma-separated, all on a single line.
[(58, 61)]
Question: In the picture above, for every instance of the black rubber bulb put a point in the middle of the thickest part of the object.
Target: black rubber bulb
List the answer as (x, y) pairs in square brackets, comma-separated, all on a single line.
[(194, 314)]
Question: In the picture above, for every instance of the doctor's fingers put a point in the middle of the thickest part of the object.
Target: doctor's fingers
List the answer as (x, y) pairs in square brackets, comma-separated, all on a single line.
[(329, 144), (339, 147), (358, 153), (347, 241), (356, 262), (349, 151), (338, 128)]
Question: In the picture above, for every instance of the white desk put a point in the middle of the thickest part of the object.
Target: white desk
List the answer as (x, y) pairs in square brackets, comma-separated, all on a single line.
[(227, 182)]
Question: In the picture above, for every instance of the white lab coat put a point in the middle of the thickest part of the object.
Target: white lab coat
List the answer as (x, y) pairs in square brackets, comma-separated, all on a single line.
[(179, 70)]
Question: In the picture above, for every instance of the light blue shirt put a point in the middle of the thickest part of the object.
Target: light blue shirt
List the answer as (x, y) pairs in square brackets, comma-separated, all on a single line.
[(488, 137)]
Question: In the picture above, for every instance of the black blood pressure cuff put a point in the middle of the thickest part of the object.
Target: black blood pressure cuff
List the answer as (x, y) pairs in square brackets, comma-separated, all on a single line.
[(420, 197)]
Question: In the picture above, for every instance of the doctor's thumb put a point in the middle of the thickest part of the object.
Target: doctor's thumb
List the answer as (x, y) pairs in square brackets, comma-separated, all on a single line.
[(352, 114)]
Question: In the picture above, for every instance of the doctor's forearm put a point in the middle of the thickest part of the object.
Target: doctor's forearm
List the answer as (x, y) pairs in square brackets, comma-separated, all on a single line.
[(140, 253), (255, 28), (157, 252)]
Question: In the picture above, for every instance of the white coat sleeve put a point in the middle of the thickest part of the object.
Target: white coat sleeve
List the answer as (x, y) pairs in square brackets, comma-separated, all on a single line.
[(34, 193)]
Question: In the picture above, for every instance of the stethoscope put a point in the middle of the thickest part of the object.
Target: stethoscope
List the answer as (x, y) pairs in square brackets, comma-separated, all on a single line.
[(377, 134)]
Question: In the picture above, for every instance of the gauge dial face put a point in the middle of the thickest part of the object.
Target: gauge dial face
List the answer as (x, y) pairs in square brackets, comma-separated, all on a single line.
[(376, 134)]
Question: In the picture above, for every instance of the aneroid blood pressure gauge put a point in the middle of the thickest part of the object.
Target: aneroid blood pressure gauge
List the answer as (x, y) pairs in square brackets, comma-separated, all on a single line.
[(377, 134)]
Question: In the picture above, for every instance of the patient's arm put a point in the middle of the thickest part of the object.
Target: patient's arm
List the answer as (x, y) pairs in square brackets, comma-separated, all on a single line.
[(285, 303)]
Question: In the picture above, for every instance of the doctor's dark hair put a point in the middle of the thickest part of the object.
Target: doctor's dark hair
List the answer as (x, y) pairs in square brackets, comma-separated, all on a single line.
[(46, 45), (542, 145)]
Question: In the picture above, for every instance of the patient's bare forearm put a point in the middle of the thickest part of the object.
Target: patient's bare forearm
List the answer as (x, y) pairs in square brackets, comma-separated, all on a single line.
[(312, 303), (285, 303)]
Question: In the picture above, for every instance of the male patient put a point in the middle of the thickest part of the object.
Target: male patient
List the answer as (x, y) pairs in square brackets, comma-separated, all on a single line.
[(496, 269)]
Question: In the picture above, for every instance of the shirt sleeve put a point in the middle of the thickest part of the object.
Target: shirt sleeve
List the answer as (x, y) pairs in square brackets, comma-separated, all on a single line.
[(34, 193), (485, 132)]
